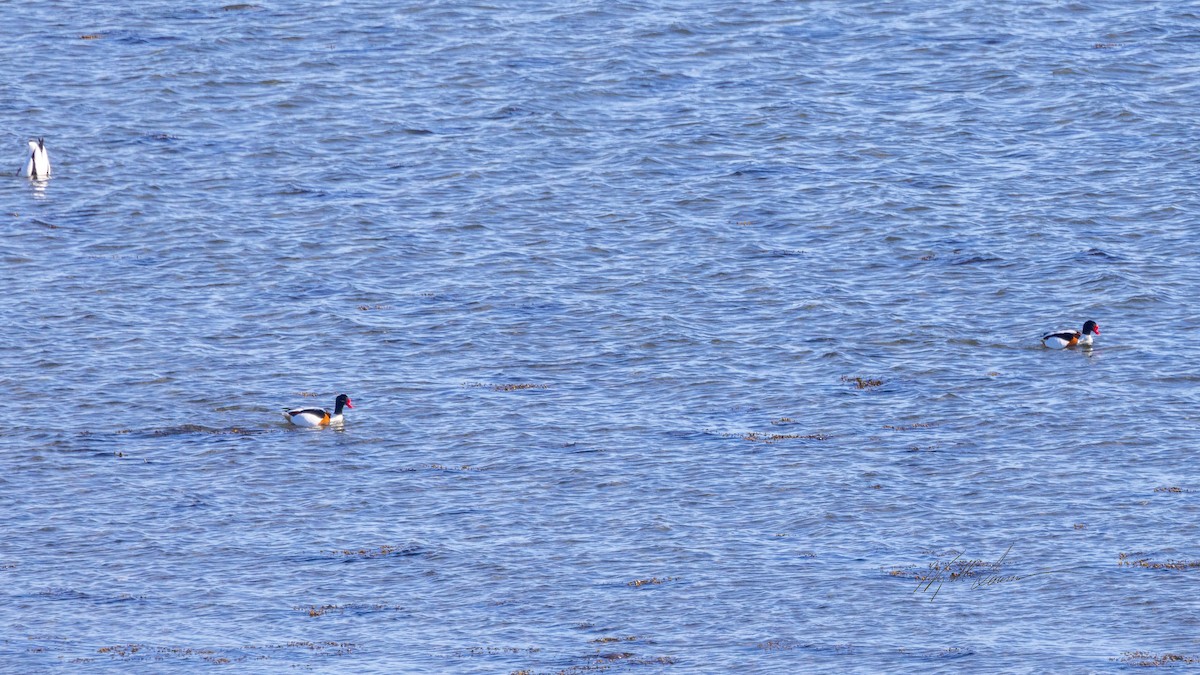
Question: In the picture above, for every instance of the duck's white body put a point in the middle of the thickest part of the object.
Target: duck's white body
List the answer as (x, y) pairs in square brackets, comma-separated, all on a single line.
[(319, 417), (38, 164), (1064, 338), (1061, 339), (313, 417)]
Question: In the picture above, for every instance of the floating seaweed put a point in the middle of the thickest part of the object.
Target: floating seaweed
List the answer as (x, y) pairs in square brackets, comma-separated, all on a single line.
[(775, 438), (863, 382), (158, 653), (637, 583), (380, 552), (517, 386), (357, 607), (955, 569), (493, 651), (757, 437), (180, 430), (907, 427), (1148, 660), (628, 638), (454, 469), (777, 645), (1131, 560), (605, 662), (943, 653)]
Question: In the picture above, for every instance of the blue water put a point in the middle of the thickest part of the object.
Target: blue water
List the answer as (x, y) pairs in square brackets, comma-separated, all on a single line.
[(682, 337)]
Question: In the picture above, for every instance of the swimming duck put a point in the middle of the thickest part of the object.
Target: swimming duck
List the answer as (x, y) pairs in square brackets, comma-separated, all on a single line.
[(1069, 338), (319, 417), (38, 165)]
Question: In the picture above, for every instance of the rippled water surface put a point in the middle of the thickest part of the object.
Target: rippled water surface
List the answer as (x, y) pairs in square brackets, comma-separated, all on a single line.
[(682, 336)]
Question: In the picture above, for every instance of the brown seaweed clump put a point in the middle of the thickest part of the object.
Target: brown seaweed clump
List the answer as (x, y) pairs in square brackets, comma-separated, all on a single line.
[(381, 552), (1130, 560), (1148, 660), (863, 382), (636, 583)]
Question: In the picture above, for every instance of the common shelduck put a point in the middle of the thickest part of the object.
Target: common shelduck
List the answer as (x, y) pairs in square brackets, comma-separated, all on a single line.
[(38, 165), (1069, 338), (319, 417)]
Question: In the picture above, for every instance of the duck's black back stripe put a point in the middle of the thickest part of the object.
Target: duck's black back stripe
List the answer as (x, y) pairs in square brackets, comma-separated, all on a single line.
[(319, 412)]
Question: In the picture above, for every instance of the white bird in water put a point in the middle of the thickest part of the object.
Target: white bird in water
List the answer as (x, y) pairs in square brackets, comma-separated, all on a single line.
[(319, 417), (1069, 338), (38, 165)]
